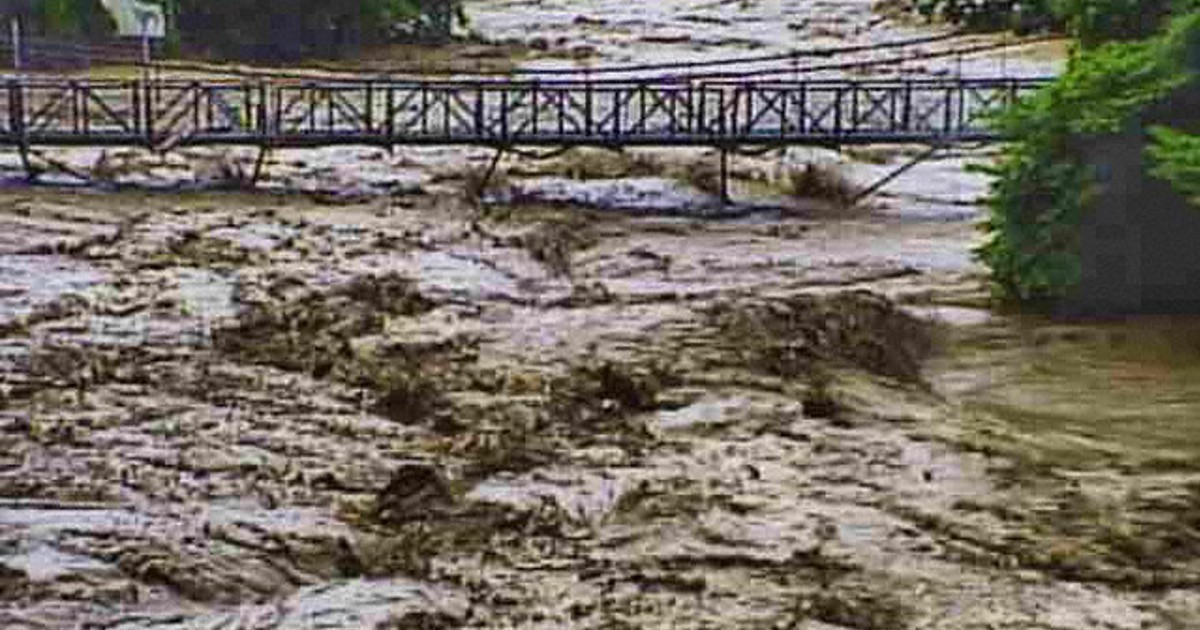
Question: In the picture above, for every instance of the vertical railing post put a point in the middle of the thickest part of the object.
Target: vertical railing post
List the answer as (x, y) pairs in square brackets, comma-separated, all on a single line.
[(504, 114), (671, 94), (83, 94), (424, 109), (209, 114), (802, 125), (724, 175), (853, 108), (16, 99), (390, 123), (783, 107), (837, 111), (197, 121), (73, 90), (135, 107), (948, 114), (907, 117), (641, 108), (247, 109), (691, 109), (721, 112), (311, 88), (85, 109), (369, 118), (264, 128), (148, 106), (962, 107), (735, 111), (331, 93), (749, 126), (277, 112), (536, 106), (16, 110), (617, 114), (562, 111), (588, 121), (480, 117), (893, 105)]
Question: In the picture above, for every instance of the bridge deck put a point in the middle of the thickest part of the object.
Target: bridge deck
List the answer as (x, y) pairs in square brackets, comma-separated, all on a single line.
[(501, 113)]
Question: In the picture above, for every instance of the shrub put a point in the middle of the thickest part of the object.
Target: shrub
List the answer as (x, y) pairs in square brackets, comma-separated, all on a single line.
[(287, 30), (74, 18), (1176, 157), (1091, 21), (1042, 186), (987, 15), (1098, 21)]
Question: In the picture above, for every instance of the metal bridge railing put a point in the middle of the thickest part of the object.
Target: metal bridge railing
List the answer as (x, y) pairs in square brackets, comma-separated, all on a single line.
[(163, 114)]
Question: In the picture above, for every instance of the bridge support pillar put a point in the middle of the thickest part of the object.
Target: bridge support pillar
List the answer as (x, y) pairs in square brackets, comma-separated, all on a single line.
[(263, 152), (725, 199), (31, 172), (491, 172), (892, 176)]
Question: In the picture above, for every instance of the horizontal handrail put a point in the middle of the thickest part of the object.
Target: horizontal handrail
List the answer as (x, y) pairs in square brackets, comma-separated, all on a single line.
[(174, 112)]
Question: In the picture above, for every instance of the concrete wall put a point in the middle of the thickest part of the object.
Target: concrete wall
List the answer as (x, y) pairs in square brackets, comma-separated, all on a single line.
[(1140, 240)]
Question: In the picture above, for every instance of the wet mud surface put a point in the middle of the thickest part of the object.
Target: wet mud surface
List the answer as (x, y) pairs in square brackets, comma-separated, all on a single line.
[(367, 398), (244, 411)]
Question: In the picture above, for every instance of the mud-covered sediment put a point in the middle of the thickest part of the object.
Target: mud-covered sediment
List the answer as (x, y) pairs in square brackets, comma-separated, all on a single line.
[(253, 412)]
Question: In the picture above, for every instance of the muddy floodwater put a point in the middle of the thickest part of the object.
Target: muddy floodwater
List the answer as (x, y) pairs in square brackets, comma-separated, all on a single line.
[(596, 398)]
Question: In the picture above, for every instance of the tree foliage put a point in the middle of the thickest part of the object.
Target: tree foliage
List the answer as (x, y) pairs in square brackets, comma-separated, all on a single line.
[(1042, 186), (73, 18), (1096, 21), (259, 29), (989, 15), (1091, 21), (1176, 157), (291, 29)]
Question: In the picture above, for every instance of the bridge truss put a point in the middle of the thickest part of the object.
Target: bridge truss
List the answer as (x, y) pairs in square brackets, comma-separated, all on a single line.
[(503, 113), (162, 115)]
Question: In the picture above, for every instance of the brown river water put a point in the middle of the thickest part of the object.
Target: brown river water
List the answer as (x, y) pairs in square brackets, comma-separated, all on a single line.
[(357, 399)]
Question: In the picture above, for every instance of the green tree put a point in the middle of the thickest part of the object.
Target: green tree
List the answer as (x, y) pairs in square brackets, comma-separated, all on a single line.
[(1041, 185), (284, 30), (262, 29), (1176, 158), (68, 18), (1092, 22)]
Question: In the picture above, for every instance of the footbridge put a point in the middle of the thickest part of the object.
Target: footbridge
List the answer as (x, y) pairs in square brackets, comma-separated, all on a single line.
[(500, 113)]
